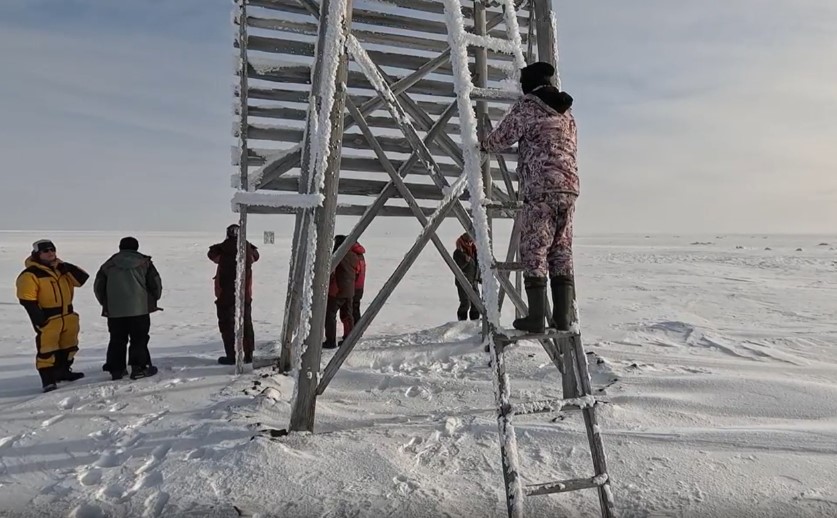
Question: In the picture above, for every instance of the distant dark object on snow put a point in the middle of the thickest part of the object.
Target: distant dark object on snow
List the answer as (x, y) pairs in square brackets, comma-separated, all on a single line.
[(798, 249), (768, 248), (739, 247), (703, 243), (823, 244)]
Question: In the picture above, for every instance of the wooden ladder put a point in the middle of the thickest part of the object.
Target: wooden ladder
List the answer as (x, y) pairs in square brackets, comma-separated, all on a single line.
[(564, 347)]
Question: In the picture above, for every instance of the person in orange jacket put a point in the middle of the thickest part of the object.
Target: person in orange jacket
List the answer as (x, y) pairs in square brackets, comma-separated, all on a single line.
[(45, 289)]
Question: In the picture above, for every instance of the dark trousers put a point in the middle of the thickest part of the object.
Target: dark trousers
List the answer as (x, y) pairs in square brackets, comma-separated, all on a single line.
[(465, 306), (226, 324), (342, 305), (356, 305), (128, 329)]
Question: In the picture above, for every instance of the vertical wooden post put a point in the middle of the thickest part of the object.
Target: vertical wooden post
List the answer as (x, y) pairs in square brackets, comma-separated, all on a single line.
[(293, 301), (546, 36), (481, 68), (304, 405), (241, 257)]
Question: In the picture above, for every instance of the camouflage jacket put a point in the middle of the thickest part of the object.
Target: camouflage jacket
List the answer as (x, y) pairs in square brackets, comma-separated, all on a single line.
[(547, 147)]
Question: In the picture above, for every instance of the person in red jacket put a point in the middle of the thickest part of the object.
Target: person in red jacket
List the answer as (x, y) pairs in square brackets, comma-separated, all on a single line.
[(341, 291), (360, 280)]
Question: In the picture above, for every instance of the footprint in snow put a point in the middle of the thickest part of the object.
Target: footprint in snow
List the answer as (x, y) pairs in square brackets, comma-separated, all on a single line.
[(87, 511), (52, 420), (154, 504), (68, 402), (90, 477)]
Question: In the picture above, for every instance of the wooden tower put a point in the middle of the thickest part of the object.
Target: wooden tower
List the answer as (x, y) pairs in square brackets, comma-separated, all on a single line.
[(345, 99)]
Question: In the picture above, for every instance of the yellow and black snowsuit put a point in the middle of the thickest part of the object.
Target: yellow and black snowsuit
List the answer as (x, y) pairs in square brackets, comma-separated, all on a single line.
[(47, 295)]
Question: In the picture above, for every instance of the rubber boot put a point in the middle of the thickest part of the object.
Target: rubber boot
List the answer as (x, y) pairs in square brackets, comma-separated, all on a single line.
[(536, 298), (563, 295)]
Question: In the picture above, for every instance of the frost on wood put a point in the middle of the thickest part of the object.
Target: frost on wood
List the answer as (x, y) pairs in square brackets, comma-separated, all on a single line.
[(258, 174), (513, 32), (554, 22), (490, 43), (369, 69), (470, 151), (269, 199), (319, 142)]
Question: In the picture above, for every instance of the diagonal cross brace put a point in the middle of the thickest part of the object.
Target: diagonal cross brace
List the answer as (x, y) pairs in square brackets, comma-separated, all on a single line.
[(414, 206)]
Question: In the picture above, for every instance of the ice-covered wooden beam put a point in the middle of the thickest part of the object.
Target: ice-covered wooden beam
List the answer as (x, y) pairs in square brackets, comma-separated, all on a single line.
[(409, 18), (409, 41), (276, 200)]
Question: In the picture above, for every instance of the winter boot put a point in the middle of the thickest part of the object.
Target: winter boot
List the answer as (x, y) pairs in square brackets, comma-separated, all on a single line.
[(563, 295), (68, 375), (536, 297), (474, 315), (328, 344), (64, 367), (226, 360), (118, 375), (48, 379), (462, 315), (143, 372)]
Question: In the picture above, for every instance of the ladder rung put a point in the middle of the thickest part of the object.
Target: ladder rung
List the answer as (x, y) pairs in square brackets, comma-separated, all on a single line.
[(494, 94), (508, 267), (566, 485), (550, 334), (554, 405), (507, 205)]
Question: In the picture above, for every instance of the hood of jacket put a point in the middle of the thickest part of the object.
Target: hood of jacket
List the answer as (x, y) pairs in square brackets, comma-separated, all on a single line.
[(358, 248), (127, 259), (554, 98)]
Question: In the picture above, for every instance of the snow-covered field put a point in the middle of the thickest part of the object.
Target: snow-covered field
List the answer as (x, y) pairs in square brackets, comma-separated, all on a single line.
[(717, 357)]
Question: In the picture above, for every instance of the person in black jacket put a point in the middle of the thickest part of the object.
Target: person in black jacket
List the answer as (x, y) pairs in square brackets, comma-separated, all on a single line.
[(465, 256)]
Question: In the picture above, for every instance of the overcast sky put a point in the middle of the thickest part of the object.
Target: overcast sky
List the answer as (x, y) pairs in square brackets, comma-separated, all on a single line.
[(716, 116)]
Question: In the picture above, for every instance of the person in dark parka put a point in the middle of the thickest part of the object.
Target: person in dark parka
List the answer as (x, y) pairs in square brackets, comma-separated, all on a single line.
[(224, 254), (128, 287), (465, 256)]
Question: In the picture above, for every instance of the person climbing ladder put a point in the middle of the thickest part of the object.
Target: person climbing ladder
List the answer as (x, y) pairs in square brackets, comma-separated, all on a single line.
[(542, 124)]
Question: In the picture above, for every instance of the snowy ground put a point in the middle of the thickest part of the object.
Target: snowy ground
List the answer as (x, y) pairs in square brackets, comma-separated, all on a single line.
[(719, 364)]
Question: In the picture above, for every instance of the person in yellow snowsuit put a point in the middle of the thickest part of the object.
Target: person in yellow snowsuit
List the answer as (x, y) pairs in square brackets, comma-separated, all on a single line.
[(45, 289)]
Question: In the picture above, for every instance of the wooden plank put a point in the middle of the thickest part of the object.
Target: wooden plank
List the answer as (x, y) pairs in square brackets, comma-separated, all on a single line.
[(550, 488), (347, 210), (362, 187), (350, 140), (369, 165), (366, 36), (435, 107), (294, 114), (382, 58), (301, 75), (416, 22)]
